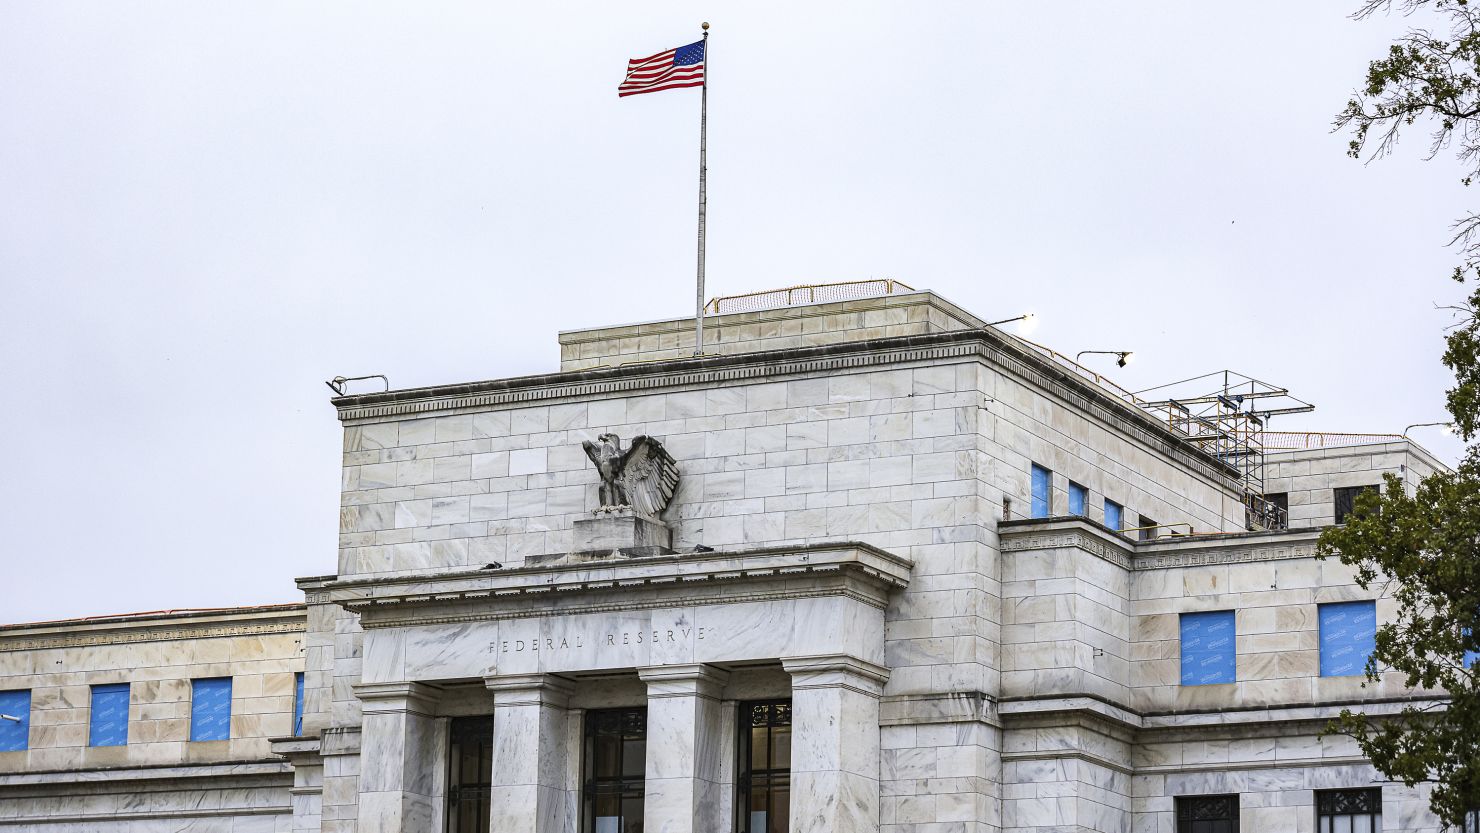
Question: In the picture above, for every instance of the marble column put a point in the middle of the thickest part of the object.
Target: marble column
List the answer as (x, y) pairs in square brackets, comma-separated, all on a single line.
[(530, 792), (401, 758), (834, 743), (685, 791)]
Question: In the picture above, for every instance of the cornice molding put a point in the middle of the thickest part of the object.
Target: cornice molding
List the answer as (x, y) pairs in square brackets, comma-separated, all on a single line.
[(987, 345), (1069, 539), (1070, 754), (156, 633), (1240, 555), (398, 698), (857, 571), (832, 670), (339, 740), (416, 613), (606, 381), (1158, 727), (529, 690), (144, 776), (1165, 553)]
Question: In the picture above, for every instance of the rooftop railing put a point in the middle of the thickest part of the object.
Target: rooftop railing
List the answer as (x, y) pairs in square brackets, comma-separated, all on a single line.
[(812, 293), (1306, 440)]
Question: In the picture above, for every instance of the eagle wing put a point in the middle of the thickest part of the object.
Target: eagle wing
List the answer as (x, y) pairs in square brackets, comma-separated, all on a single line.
[(591, 449), (649, 475)]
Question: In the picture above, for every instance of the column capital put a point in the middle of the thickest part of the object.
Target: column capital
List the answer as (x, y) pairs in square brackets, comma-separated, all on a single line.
[(389, 698), (529, 689), (836, 671), (685, 680)]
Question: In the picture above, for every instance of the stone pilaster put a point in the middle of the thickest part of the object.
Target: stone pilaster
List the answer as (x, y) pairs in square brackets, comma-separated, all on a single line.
[(685, 792), (529, 793), (308, 781), (401, 758), (835, 743)]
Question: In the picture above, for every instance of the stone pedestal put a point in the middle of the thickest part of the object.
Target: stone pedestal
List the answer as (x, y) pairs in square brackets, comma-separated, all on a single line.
[(529, 755), (622, 531), (835, 743), (685, 792), (400, 782)]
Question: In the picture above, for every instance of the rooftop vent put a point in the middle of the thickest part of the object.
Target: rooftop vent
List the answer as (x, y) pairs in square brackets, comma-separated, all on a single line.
[(816, 293)]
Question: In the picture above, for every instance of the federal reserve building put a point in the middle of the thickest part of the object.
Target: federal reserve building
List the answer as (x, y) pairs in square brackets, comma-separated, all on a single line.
[(868, 563)]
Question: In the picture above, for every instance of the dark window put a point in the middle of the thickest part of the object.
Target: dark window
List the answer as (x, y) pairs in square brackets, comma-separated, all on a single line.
[(1148, 529), (1114, 515), (1275, 511), (616, 763), (1349, 811), (1346, 498), (469, 774), (1207, 814), (765, 767)]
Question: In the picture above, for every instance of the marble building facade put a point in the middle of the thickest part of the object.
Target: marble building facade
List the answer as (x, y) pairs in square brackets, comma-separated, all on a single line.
[(903, 589)]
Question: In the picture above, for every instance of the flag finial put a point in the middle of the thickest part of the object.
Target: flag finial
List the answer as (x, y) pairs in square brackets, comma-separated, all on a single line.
[(704, 26)]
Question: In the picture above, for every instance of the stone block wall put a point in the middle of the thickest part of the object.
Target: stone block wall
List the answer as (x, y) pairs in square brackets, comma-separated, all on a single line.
[(259, 649), (159, 780), (1065, 775), (915, 460), (1310, 477), (1067, 621), (1085, 715), (917, 453), (809, 325), (939, 769), (1276, 595), (1275, 780)]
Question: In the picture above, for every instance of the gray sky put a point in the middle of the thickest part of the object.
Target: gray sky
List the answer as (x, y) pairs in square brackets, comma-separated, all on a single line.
[(206, 209)]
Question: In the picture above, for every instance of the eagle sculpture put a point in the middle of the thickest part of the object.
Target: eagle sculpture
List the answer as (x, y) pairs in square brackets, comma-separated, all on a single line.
[(642, 477)]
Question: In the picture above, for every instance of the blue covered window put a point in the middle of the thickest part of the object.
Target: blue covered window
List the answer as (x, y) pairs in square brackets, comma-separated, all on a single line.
[(1042, 485), (1209, 648), (1114, 515), (210, 709), (1348, 637), (109, 722), (1077, 495), (15, 720), (298, 704)]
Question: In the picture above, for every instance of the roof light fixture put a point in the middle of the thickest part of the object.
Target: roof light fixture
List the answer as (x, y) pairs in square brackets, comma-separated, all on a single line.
[(1446, 427), (1124, 356), (1027, 323)]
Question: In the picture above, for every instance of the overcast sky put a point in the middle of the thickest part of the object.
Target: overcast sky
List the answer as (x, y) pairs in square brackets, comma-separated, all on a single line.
[(207, 209)]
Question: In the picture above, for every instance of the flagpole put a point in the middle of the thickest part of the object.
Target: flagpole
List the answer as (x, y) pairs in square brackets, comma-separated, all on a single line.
[(703, 132)]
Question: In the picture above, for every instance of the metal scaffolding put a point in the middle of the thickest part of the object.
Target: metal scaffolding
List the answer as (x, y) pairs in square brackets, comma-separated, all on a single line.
[(1224, 414)]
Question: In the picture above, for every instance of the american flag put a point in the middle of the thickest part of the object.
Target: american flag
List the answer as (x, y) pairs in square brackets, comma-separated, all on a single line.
[(681, 67)]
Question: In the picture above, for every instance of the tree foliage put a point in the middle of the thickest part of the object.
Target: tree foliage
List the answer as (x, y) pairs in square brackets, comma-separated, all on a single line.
[(1421, 544), (1423, 549)]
